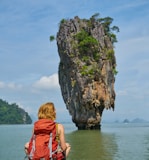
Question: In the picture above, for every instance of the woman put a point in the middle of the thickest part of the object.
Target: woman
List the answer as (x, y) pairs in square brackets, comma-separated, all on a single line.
[(46, 125)]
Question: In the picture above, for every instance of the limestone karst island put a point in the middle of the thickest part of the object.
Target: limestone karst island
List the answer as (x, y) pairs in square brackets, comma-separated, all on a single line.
[(87, 68), (13, 114)]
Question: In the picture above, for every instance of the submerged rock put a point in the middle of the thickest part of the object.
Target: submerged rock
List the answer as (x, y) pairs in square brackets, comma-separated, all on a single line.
[(87, 68)]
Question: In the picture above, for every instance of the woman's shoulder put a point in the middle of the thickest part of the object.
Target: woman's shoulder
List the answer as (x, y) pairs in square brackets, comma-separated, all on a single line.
[(60, 127)]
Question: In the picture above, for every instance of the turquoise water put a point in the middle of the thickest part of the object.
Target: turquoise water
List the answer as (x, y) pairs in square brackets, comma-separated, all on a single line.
[(114, 142)]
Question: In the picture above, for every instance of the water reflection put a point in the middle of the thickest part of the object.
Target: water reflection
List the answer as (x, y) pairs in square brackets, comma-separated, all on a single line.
[(91, 145), (146, 149)]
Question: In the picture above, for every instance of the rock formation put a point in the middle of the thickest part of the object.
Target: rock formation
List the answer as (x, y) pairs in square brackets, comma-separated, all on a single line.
[(87, 68), (13, 114)]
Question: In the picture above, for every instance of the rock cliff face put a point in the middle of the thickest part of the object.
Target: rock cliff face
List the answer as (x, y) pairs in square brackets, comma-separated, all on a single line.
[(86, 69)]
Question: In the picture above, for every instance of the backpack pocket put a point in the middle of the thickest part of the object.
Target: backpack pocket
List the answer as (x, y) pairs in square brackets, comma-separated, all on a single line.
[(42, 152)]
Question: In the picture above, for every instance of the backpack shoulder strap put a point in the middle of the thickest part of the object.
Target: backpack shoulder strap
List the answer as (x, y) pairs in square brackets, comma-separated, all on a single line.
[(50, 145), (57, 135), (50, 141), (31, 148)]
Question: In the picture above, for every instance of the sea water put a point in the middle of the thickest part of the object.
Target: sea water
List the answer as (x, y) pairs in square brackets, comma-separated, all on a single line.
[(115, 141)]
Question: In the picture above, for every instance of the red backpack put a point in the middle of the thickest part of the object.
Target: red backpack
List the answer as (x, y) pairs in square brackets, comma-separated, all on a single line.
[(44, 142)]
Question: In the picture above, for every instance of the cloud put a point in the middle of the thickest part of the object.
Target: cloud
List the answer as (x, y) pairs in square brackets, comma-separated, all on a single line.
[(132, 4), (11, 86), (135, 45), (47, 82), (2, 84)]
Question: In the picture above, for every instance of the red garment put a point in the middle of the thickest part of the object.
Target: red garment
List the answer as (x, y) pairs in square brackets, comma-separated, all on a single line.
[(42, 130), (39, 143)]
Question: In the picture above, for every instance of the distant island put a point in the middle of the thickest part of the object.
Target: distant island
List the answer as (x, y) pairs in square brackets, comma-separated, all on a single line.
[(136, 120), (13, 114)]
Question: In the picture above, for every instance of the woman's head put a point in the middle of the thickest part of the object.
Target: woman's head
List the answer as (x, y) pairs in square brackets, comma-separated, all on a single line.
[(47, 111)]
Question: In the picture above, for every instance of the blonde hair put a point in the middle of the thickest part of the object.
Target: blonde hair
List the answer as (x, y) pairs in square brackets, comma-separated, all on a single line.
[(47, 111)]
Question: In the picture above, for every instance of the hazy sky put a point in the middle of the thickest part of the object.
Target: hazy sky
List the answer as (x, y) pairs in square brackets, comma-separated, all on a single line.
[(29, 61)]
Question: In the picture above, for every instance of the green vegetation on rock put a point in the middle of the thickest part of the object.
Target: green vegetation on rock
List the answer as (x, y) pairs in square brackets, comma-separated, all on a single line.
[(86, 43), (13, 114)]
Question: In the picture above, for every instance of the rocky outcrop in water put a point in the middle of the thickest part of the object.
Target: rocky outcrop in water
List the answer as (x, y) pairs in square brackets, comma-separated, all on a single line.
[(87, 68), (13, 114)]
